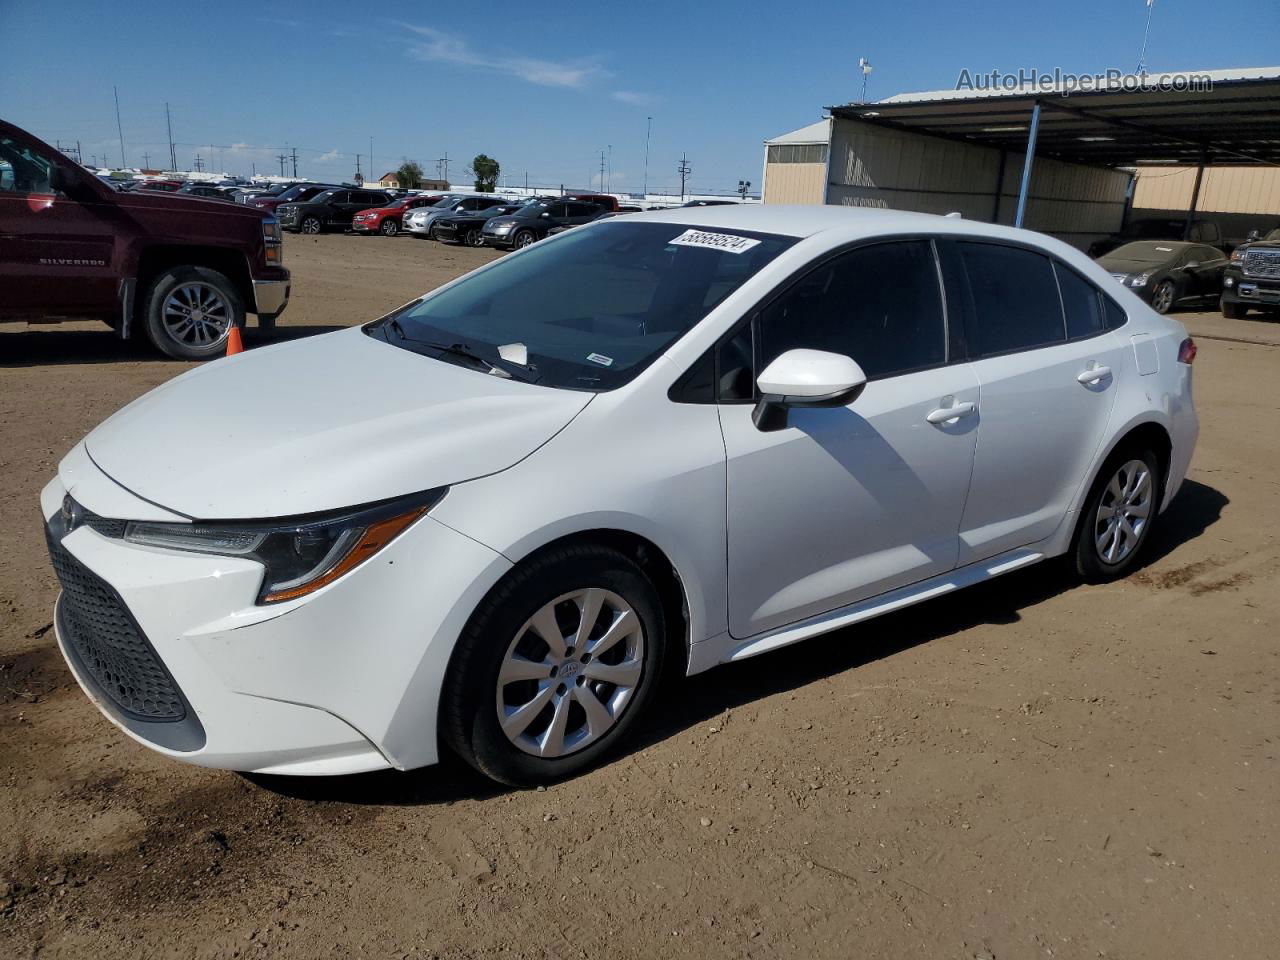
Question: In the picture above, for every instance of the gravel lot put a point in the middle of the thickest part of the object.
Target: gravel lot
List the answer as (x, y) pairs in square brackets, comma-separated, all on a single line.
[(1029, 769)]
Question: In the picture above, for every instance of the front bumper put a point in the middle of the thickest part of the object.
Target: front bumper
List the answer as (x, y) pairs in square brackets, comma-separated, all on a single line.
[(270, 297), (342, 681), (418, 227), (1251, 291), (366, 226), (501, 240)]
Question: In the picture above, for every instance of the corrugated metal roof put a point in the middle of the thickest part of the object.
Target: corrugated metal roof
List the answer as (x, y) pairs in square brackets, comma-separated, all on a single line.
[(819, 132)]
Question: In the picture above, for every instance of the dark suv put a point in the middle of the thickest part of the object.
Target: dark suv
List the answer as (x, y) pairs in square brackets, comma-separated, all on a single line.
[(1252, 278), (330, 210), (178, 268), (534, 221)]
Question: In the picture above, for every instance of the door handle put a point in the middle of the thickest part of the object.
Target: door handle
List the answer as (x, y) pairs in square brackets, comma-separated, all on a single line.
[(1093, 375), (954, 412)]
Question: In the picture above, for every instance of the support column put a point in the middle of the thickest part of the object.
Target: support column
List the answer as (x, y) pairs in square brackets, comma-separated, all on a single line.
[(1195, 200), (1026, 166)]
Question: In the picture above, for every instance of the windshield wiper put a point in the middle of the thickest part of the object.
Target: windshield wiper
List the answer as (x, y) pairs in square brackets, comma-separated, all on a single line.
[(497, 366)]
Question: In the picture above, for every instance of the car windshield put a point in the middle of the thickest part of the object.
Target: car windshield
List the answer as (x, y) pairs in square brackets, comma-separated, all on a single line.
[(444, 203), (592, 307), (1148, 252)]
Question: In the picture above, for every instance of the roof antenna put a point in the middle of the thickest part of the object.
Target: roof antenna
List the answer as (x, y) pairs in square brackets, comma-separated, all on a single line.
[(865, 66)]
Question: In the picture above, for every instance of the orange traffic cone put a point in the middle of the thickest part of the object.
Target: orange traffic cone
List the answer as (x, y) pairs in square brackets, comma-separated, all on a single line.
[(234, 343)]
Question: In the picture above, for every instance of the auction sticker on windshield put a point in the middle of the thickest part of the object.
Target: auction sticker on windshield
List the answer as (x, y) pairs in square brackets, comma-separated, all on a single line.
[(715, 241)]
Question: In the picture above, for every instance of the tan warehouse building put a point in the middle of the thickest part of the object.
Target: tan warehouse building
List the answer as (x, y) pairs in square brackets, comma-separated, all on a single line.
[(952, 151)]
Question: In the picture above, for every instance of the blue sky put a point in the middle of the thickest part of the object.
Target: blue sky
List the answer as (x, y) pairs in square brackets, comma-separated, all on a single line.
[(544, 87)]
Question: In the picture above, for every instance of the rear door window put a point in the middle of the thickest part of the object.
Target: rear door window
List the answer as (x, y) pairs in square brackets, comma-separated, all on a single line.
[(1015, 299), (1081, 302)]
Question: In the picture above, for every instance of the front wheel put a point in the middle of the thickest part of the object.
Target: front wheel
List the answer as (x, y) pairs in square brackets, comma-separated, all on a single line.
[(390, 227), (523, 239), (1233, 311), (1117, 517), (311, 225), (555, 667), (190, 312), (1162, 298), (473, 238)]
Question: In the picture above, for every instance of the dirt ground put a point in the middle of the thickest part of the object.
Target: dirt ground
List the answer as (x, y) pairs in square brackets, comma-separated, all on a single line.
[(1028, 769)]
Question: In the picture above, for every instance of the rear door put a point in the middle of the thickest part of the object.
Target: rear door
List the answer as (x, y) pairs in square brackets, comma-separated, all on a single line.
[(1048, 369), (340, 208)]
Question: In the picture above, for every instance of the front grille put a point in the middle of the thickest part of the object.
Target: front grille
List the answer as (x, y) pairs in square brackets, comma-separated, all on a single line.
[(1264, 264), (107, 644)]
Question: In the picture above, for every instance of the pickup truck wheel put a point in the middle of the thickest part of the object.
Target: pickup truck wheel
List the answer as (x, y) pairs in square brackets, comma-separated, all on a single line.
[(390, 227), (311, 225), (1234, 311), (190, 312)]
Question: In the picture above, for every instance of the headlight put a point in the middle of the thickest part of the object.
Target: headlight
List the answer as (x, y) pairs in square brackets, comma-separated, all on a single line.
[(502, 228), (1139, 279), (1237, 256), (271, 230), (301, 555)]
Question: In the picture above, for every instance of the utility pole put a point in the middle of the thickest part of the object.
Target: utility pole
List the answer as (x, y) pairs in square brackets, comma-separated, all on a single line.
[(173, 157), (371, 168), (198, 163), (743, 187), (146, 160), (294, 157), (119, 128), (601, 186), (648, 128), (443, 165), (282, 157), (359, 177), (609, 183), (684, 170)]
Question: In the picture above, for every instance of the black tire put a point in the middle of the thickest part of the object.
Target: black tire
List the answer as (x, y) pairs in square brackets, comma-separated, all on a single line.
[(1234, 311), (468, 712), (523, 239), (390, 227), (168, 337), (473, 237), (311, 226), (1089, 562), (1164, 296)]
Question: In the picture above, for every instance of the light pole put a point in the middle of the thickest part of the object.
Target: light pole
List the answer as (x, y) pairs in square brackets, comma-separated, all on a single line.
[(648, 128)]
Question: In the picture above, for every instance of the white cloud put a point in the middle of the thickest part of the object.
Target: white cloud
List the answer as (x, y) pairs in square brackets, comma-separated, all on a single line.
[(633, 98), (440, 47), (329, 157)]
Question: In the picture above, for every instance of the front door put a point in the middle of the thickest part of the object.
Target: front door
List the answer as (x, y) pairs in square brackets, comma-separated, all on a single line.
[(845, 503)]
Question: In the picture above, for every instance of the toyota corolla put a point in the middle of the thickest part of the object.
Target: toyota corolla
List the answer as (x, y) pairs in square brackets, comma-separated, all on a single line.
[(684, 437)]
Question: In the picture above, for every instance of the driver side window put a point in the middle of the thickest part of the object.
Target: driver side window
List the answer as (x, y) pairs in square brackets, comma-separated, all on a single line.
[(21, 169)]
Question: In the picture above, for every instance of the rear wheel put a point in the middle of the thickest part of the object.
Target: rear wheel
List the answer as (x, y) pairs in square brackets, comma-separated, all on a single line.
[(1117, 517), (555, 667), (390, 227), (1234, 311), (190, 312), (1163, 298)]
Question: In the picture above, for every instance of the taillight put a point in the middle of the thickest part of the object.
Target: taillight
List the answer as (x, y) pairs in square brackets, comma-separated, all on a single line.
[(1187, 352)]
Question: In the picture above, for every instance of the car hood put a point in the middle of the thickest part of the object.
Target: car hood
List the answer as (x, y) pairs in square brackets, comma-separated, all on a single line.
[(322, 423), (184, 202), (1121, 265)]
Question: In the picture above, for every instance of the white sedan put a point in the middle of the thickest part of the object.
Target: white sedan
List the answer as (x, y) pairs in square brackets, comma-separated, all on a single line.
[(487, 519)]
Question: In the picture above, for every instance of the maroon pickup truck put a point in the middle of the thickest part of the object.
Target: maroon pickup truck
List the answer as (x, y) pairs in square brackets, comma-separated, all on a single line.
[(181, 270)]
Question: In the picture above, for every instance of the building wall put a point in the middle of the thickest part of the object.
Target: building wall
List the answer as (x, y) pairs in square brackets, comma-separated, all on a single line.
[(794, 182), (1252, 190), (875, 166)]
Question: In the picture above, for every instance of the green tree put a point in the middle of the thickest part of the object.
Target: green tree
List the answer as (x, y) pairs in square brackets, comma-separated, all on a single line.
[(409, 175), (485, 169)]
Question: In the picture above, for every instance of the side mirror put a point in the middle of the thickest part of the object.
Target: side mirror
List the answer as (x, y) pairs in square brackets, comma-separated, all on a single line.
[(545, 214), (1255, 234), (805, 378), (60, 181), (1192, 264)]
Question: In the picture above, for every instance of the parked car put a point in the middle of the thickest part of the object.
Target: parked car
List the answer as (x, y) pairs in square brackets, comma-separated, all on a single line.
[(605, 201), (207, 190), (160, 186), (244, 194), (710, 203), (466, 228), (389, 220), (1252, 278), (533, 221), (177, 269), (1165, 273), (692, 436), (419, 223), (298, 193), (1158, 228), (330, 210)]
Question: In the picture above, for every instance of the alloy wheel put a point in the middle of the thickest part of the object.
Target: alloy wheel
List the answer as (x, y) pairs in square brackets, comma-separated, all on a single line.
[(525, 239), (1162, 301), (1123, 512), (311, 225), (473, 238), (570, 672), (390, 228), (196, 314)]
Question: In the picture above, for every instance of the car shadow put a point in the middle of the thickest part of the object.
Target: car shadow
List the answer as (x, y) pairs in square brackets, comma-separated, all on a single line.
[(688, 702), (50, 346)]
